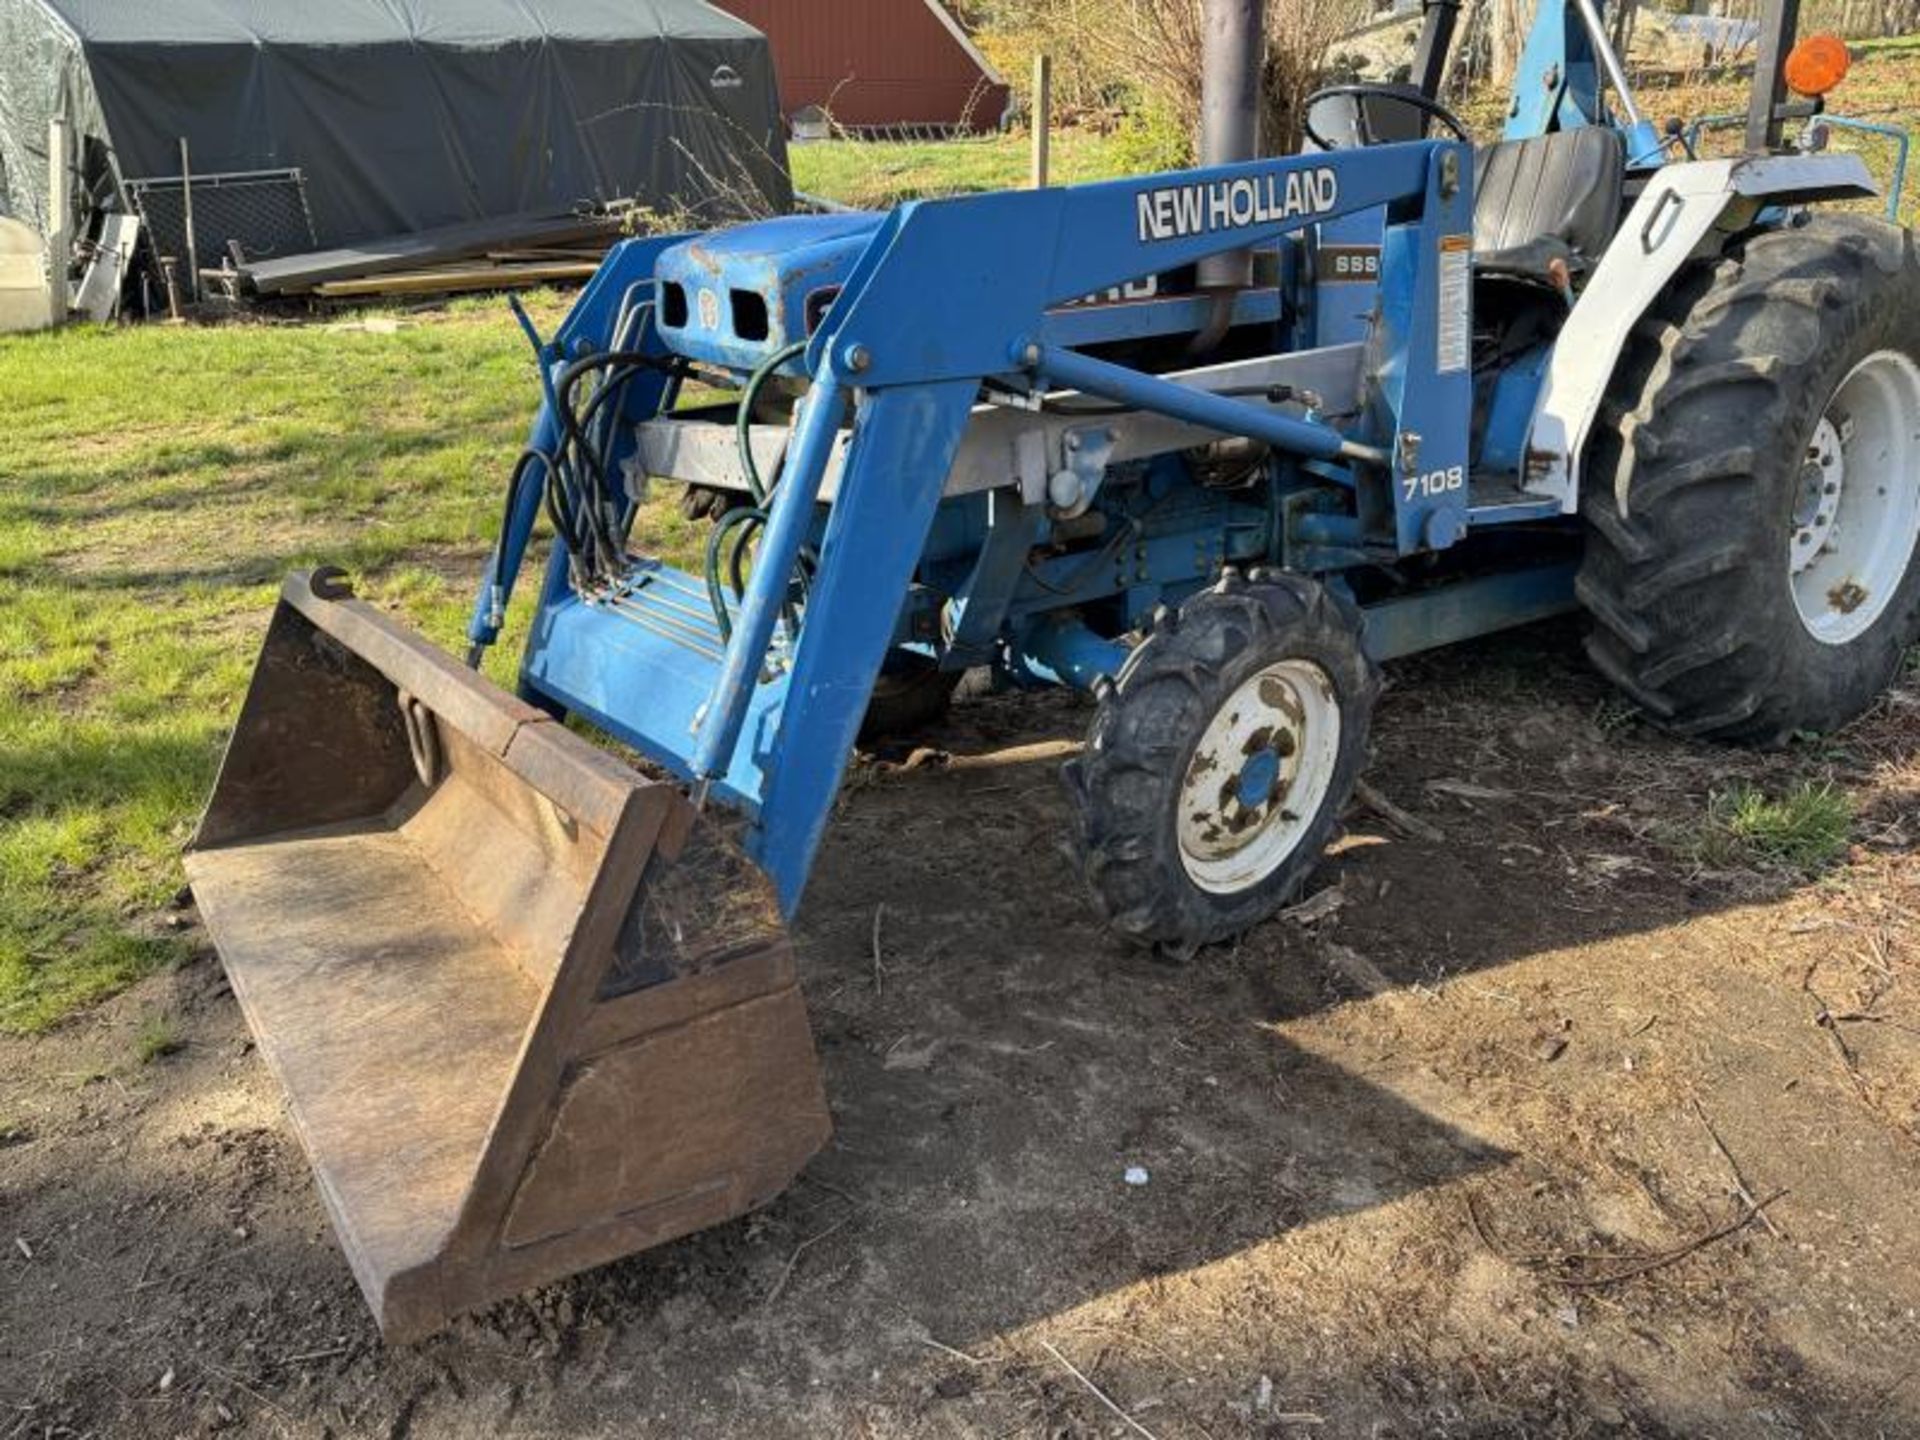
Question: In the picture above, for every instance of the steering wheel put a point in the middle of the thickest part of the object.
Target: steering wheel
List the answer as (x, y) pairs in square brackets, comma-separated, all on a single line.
[(1406, 96)]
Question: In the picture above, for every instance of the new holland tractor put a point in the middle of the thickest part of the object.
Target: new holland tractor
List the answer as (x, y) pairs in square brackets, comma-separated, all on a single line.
[(1209, 445)]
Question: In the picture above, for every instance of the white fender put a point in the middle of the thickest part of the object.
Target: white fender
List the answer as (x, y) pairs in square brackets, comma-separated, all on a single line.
[(1686, 210)]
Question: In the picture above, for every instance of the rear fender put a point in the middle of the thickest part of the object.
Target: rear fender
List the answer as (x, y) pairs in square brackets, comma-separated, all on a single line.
[(1688, 211)]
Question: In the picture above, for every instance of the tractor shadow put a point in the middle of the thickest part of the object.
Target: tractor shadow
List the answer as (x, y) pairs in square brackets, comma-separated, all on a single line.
[(998, 1063)]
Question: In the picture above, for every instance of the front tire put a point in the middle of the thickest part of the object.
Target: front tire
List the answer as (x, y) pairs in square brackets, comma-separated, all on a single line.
[(1220, 759), (1753, 499)]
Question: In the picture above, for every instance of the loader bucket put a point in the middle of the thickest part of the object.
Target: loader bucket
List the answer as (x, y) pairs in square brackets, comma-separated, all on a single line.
[(530, 1013)]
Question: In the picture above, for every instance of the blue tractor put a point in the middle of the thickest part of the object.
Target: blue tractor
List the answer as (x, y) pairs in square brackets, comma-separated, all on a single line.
[(1210, 446)]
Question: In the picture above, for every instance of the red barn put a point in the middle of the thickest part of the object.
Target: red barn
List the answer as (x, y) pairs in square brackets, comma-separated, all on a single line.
[(878, 64)]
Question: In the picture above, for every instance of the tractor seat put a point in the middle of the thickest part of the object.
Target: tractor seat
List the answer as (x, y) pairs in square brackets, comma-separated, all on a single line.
[(1549, 197)]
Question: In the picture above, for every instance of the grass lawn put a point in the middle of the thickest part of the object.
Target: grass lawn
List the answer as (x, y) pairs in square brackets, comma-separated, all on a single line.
[(871, 176), (156, 483)]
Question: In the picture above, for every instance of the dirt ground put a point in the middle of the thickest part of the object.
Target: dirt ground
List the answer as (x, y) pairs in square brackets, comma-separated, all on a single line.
[(1464, 1156)]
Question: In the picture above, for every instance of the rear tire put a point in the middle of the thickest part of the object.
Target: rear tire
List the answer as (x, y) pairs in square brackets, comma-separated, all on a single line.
[(1220, 759), (1753, 490)]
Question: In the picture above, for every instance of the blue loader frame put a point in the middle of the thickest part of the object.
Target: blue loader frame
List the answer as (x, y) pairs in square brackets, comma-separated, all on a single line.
[(906, 358)]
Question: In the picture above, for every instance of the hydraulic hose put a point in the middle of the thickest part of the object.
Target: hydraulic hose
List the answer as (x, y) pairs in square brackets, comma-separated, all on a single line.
[(743, 420), (749, 519), (528, 459), (576, 488), (581, 500)]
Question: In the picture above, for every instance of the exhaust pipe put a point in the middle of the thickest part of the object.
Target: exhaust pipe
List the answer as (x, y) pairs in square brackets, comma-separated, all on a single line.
[(1232, 48), (1233, 40)]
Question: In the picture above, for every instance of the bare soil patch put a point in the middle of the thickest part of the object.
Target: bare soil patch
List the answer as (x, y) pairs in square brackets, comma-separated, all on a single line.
[(1462, 1156)]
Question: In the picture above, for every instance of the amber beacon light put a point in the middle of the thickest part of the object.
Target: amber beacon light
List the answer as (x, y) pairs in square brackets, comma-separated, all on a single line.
[(1817, 64)]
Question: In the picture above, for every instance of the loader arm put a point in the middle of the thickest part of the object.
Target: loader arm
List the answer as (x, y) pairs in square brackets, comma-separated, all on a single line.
[(763, 720)]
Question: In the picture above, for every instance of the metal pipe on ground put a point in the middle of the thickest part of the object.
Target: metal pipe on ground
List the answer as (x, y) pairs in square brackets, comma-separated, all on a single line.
[(170, 276)]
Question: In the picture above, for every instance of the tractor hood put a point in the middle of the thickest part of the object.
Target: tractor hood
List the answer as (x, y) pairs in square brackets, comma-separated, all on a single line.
[(735, 297)]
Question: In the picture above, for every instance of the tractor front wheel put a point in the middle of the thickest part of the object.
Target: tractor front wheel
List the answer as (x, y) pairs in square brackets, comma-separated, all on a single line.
[(1220, 758), (1753, 494)]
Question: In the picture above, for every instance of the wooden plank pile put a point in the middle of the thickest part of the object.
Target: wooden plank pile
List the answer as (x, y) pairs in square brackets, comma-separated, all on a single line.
[(499, 253)]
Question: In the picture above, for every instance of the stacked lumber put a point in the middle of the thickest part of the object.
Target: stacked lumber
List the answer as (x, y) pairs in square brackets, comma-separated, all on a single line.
[(494, 254), (454, 279)]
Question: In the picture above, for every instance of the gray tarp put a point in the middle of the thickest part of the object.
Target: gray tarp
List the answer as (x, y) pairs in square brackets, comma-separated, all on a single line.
[(403, 114)]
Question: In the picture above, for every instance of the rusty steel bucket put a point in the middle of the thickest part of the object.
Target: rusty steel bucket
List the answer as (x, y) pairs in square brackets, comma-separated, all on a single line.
[(530, 1013)]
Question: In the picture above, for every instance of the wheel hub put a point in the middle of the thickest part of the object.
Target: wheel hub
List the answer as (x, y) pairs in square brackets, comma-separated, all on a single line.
[(1856, 518), (1257, 779), (1258, 776), (1821, 478)]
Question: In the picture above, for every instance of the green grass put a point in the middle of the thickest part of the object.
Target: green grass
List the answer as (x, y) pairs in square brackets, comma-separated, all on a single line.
[(1887, 45), (1883, 86), (875, 176), (1806, 829), (155, 484), (156, 1039)]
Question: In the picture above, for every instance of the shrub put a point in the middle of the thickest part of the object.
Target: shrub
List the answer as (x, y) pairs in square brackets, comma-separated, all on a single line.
[(1144, 55)]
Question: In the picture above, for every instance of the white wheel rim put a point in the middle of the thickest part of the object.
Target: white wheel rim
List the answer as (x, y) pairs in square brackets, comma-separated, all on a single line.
[(1856, 516), (1258, 777)]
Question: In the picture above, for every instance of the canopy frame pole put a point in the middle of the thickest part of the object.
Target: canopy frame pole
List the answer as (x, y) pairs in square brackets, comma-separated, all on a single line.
[(186, 205), (59, 218)]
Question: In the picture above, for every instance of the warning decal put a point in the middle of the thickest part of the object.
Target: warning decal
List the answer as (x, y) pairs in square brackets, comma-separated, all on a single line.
[(1454, 322)]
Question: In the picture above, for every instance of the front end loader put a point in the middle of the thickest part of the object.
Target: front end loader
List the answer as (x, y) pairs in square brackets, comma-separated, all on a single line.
[(1210, 446), (530, 1011)]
